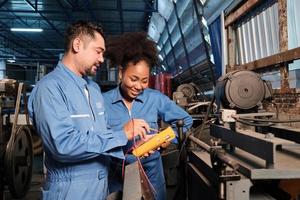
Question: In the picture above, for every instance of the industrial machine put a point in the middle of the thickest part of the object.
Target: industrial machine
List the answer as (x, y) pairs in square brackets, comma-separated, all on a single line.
[(249, 155), (16, 155), (242, 90)]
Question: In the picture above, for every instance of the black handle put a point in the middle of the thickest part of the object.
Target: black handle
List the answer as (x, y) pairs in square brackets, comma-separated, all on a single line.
[(180, 124)]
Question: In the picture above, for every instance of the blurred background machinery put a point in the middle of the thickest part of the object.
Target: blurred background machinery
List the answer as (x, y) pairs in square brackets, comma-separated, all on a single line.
[(16, 155)]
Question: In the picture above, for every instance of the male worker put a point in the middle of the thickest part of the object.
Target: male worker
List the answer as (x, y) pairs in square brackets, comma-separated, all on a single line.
[(67, 110)]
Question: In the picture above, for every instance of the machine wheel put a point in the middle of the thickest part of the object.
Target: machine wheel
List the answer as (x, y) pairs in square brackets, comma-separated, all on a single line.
[(18, 162)]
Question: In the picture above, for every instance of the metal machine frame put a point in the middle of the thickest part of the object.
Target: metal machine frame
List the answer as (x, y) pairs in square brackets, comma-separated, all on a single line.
[(244, 164)]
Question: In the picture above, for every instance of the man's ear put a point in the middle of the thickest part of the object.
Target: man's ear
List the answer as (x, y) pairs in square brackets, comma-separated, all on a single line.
[(120, 73), (76, 45)]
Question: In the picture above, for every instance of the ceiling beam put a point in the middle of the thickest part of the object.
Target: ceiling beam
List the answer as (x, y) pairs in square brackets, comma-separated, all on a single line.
[(45, 18), (87, 6), (27, 50), (119, 7), (18, 44), (150, 5), (80, 10), (3, 2), (9, 20), (8, 53), (25, 23), (69, 3), (67, 13)]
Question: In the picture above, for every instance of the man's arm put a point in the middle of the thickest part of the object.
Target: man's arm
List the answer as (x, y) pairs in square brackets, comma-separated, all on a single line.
[(60, 137)]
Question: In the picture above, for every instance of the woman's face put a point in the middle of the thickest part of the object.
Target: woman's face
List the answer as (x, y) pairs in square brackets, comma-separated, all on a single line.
[(134, 79)]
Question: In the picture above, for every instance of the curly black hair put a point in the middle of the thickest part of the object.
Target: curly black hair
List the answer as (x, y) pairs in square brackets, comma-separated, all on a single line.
[(131, 47)]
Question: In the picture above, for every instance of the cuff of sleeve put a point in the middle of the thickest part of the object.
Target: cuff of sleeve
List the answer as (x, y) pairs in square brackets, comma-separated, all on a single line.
[(122, 136), (109, 142), (119, 140), (116, 152)]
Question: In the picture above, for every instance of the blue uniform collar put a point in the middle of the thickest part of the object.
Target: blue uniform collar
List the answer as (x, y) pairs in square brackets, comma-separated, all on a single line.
[(118, 96), (80, 81)]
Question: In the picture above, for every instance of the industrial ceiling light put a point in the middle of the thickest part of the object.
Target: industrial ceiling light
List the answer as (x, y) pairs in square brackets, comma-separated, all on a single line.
[(11, 60), (26, 29)]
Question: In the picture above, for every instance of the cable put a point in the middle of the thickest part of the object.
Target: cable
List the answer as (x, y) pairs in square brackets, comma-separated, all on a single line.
[(254, 124), (205, 121), (138, 160), (269, 120)]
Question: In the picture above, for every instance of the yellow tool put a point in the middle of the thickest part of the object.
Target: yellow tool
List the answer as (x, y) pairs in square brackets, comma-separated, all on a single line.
[(155, 142)]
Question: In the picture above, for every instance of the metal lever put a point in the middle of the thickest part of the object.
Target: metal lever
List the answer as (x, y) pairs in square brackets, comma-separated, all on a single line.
[(180, 124)]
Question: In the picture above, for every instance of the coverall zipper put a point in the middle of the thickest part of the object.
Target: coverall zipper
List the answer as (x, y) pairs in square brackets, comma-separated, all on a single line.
[(89, 101)]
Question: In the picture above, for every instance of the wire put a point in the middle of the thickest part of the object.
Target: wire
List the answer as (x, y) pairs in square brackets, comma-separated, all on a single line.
[(254, 124), (205, 121), (155, 130), (187, 137), (138, 160), (269, 120)]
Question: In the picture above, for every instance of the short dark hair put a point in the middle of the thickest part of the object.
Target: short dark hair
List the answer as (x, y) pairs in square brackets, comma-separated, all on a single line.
[(81, 28), (131, 48)]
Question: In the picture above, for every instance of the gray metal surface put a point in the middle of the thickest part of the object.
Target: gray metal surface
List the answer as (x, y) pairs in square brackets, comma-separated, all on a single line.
[(251, 142), (259, 36), (199, 187), (132, 183), (264, 114), (200, 168), (236, 190), (254, 152), (286, 132), (286, 167)]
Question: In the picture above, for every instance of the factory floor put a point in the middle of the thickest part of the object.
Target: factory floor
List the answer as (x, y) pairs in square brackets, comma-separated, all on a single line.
[(34, 192)]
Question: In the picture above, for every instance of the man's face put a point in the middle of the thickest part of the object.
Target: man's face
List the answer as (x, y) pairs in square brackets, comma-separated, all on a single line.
[(91, 54), (134, 79)]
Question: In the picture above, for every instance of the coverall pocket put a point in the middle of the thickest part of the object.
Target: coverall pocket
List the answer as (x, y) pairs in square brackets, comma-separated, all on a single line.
[(115, 124), (90, 189), (51, 191), (45, 194), (151, 119)]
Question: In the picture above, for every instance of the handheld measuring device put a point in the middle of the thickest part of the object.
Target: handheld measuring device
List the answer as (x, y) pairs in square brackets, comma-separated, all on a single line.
[(155, 142)]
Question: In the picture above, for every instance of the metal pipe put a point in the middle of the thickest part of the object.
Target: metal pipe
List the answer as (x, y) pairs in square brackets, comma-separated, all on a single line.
[(203, 145), (233, 164)]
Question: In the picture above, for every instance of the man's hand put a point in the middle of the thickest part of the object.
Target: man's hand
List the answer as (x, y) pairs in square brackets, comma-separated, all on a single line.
[(165, 145), (136, 127)]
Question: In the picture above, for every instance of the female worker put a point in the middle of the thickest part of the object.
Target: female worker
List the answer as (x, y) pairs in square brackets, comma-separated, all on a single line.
[(135, 54)]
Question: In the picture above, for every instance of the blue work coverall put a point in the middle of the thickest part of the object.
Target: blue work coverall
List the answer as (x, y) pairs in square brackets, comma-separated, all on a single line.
[(150, 105), (68, 113)]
